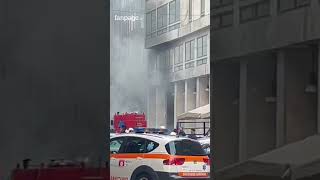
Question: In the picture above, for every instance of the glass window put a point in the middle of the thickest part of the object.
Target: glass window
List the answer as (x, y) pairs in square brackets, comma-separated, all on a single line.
[(171, 57), (151, 145), (148, 24), (255, 11), (115, 145), (285, 5), (185, 148), (192, 54), (172, 12), (199, 47), (187, 49), (162, 19), (176, 55), (217, 3), (181, 53), (190, 10), (135, 145), (203, 7), (153, 21)]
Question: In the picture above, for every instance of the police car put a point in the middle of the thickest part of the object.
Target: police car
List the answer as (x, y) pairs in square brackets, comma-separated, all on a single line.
[(157, 157)]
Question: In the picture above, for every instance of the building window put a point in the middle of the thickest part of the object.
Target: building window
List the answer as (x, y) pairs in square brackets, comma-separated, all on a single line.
[(202, 46), (255, 11), (222, 20), (190, 10), (219, 3), (190, 65), (201, 61), (151, 24), (174, 15), (189, 50), (162, 19), (203, 7), (178, 58), (167, 59), (286, 5), (171, 58)]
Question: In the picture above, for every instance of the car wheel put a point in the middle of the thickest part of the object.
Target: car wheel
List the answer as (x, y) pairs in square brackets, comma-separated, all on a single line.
[(144, 176)]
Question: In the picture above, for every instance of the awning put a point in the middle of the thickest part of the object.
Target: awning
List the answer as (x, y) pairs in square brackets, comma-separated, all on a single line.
[(303, 158), (202, 112)]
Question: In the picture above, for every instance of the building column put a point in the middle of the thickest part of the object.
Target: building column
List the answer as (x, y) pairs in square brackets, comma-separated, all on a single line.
[(186, 96), (156, 109), (198, 93), (243, 111), (280, 114), (175, 105), (318, 90)]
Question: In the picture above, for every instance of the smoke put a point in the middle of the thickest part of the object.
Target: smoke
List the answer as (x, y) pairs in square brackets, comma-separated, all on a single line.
[(128, 71)]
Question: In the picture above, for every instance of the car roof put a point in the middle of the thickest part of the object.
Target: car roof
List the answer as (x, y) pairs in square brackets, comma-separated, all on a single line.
[(153, 137)]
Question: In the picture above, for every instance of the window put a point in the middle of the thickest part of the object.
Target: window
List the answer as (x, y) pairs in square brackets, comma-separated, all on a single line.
[(171, 57), (178, 55), (219, 3), (255, 11), (203, 8), (135, 145), (222, 20), (162, 19), (115, 145), (190, 65), (148, 25), (151, 145), (190, 10), (201, 61), (174, 14), (185, 148), (153, 23), (189, 50), (285, 5), (202, 46), (178, 60)]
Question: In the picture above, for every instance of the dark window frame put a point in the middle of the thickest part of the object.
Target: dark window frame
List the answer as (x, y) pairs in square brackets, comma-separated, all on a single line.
[(256, 15), (222, 4), (220, 15), (296, 6)]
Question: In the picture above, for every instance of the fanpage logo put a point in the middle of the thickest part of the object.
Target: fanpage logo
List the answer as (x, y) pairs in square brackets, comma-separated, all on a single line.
[(127, 18)]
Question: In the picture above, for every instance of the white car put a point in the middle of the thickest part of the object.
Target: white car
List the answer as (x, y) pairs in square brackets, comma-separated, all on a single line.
[(157, 157)]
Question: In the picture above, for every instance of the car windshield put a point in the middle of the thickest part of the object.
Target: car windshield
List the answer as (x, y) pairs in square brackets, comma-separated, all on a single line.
[(185, 148)]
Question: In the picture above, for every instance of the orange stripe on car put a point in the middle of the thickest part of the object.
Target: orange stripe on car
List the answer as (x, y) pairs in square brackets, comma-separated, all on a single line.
[(158, 156)]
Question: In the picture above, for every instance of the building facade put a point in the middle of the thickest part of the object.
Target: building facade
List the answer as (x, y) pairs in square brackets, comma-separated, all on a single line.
[(266, 61), (177, 34)]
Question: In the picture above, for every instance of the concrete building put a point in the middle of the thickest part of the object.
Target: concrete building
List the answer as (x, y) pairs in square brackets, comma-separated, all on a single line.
[(266, 101), (53, 93), (177, 34)]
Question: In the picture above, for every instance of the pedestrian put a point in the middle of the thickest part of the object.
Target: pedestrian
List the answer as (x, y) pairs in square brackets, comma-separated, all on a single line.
[(193, 134), (181, 132)]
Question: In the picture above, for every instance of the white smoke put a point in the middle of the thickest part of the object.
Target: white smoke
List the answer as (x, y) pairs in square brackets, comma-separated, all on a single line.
[(128, 87)]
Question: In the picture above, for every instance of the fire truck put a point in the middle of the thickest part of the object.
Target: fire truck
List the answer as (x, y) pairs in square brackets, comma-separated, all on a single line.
[(59, 170), (129, 120)]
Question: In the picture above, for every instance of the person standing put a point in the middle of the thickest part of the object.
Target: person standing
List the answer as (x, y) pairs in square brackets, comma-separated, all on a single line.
[(193, 134)]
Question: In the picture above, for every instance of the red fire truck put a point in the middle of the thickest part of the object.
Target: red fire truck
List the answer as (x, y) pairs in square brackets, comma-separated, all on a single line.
[(129, 120)]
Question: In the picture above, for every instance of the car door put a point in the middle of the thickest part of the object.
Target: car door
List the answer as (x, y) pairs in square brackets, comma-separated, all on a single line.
[(116, 145), (133, 155)]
